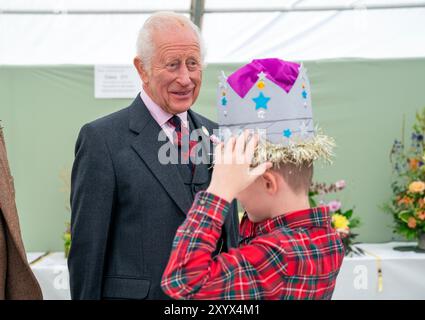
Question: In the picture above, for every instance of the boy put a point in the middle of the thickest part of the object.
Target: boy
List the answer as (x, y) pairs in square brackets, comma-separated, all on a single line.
[(287, 249)]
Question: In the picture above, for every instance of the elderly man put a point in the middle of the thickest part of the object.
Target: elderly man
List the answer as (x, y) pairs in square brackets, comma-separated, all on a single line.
[(126, 204)]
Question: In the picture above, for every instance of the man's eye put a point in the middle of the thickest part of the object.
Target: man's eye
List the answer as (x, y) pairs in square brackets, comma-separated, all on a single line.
[(172, 65), (192, 64)]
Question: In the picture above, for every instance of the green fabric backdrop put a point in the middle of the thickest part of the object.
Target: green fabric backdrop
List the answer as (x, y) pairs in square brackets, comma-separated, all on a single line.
[(359, 102)]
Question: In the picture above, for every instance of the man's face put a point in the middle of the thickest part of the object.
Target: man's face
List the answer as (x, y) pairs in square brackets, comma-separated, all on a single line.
[(175, 77)]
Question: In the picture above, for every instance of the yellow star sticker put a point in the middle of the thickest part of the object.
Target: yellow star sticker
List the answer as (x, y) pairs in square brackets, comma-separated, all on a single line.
[(261, 85)]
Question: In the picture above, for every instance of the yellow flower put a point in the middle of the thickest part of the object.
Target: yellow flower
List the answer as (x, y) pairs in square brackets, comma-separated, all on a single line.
[(67, 237), (417, 187), (339, 221)]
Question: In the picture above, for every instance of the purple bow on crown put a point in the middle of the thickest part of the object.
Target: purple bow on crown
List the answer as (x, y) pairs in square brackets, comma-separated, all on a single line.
[(281, 72)]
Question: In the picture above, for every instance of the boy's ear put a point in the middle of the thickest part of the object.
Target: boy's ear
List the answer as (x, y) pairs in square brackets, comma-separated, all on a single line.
[(271, 182)]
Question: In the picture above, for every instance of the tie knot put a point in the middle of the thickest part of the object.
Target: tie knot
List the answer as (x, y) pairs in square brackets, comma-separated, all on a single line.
[(176, 122)]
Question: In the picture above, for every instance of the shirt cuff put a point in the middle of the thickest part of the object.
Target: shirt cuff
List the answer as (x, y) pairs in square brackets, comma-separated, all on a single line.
[(209, 204)]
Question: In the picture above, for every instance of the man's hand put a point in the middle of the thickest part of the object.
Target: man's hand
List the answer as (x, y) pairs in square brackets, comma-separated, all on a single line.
[(232, 172)]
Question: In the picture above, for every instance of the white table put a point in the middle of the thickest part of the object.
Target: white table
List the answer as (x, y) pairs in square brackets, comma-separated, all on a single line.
[(51, 271), (403, 274)]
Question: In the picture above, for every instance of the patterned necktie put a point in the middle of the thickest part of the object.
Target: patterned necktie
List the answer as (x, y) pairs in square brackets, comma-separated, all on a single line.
[(182, 140)]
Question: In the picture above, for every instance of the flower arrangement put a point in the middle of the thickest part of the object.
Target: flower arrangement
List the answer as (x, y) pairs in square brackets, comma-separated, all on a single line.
[(342, 220), (65, 176), (67, 239), (407, 204)]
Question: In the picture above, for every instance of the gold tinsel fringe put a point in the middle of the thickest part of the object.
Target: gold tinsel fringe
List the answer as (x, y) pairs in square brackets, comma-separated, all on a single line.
[(319, 147)]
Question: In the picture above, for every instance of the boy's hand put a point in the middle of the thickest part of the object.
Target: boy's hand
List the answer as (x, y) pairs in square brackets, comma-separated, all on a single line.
[(232, 172)]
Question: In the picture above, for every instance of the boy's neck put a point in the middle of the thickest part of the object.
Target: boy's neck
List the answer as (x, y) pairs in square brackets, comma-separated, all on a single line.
[(289, 203)]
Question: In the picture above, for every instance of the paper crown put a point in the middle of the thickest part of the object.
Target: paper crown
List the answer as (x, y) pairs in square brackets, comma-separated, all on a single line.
[(273, 97)]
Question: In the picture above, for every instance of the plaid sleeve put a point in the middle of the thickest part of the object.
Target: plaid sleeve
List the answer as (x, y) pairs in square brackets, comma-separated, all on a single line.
[(193, 273)]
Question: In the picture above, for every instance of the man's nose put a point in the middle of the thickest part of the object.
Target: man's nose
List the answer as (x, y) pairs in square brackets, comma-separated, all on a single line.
[(183, 77)]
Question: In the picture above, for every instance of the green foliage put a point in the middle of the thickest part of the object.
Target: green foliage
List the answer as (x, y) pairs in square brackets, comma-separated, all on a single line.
[(407, 204), (342, 221)]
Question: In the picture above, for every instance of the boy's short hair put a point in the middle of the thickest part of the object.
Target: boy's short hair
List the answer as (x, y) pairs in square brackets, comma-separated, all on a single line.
[(298, 177)]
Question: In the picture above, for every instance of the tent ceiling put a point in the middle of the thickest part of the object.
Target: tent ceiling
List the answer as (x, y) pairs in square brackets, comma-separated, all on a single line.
[(184, 5), (106, 36)]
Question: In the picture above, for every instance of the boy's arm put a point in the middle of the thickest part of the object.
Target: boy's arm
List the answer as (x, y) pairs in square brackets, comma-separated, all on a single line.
[(192, 272)]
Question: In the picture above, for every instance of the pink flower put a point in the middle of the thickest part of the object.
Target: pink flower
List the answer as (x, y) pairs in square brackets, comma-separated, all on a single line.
[(343, 232), (340, 184), (334, 205), (411, 223)]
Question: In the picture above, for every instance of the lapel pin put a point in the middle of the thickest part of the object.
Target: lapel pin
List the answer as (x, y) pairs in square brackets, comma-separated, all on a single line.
[(214, 139)]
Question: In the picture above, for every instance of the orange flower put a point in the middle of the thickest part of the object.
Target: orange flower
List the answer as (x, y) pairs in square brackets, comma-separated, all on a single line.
[(411, 223), (421, 215), (417, 187), (405, 200), (414, 164), (421, 203)]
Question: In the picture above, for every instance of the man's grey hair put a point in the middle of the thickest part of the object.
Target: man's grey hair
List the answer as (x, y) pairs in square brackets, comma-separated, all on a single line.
[(163, 20)]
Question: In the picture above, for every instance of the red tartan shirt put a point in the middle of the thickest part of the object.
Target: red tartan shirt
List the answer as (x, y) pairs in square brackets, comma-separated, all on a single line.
[(293, 256)]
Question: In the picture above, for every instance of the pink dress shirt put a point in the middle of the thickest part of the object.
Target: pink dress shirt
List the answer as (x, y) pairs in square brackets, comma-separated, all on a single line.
[(161, 116)]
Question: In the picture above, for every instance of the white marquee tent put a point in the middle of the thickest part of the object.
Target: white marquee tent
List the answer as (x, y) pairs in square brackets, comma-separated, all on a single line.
[(103, 32)]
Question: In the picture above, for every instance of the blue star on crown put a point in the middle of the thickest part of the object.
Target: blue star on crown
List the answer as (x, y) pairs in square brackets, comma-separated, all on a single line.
[(287, 133), (224, 101), (261, 101)]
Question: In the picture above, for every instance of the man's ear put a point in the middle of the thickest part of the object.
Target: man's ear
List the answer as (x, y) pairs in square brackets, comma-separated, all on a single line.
[(270, 182), (138, 64)]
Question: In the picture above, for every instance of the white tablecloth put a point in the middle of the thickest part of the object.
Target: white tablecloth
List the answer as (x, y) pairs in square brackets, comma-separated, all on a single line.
[(51, 271), (403, 274)]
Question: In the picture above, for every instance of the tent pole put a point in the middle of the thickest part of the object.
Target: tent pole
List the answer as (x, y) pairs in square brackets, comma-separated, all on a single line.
[(197, 8)]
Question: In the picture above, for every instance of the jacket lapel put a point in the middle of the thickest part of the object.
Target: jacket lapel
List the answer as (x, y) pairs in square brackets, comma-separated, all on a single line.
[(230, 234), (147, 145), (202, 172)]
